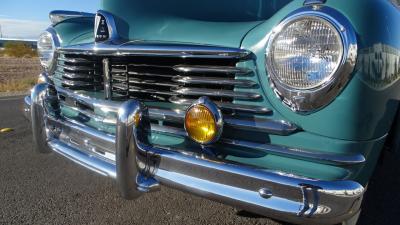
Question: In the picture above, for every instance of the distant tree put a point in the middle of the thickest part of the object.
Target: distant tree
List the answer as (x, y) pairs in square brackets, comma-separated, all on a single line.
[(18, 49)]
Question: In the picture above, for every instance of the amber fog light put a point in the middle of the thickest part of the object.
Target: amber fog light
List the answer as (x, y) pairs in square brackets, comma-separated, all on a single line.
[(203, 121)]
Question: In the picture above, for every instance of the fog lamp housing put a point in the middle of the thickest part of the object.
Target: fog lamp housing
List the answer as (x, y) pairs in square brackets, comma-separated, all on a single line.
[(203, 121)]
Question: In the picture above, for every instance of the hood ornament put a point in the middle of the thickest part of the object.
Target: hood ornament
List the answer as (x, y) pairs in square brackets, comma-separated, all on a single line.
[(104, 27)]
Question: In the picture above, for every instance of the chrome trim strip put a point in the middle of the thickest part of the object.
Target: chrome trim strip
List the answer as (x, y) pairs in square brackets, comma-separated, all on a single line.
[(144, 48), (76, 68), (106, 106), (225, 105), (214, 80), (135, 80), (101, 138), (308, 155), (263, 125), (212, 69), (171, 115), (152, 75), (146, 90), (216, 93), (74, 75), (76, 83), (74, 60), (168, 130), (91, 162), (57, 16)]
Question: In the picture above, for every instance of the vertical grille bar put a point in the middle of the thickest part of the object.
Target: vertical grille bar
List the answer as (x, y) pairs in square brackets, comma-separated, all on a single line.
[(107, 78)]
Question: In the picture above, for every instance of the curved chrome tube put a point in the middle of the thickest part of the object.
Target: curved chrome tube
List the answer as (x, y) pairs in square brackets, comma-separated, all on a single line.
[(131, 180), (37, 114), (57, 16)]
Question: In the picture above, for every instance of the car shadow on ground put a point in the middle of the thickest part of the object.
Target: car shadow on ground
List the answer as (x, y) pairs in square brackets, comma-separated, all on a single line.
[(381, 205)]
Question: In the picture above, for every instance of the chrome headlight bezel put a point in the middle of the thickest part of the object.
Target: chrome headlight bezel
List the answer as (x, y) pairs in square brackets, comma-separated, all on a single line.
[(50, 64), (312, 99)]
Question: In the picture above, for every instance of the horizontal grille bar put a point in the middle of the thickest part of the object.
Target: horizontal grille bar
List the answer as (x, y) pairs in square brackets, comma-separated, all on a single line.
[(216, 93), (75, 60), (80, 84), (151, 82), (213, 80), (76, 68), (75, 75), (212, 69)]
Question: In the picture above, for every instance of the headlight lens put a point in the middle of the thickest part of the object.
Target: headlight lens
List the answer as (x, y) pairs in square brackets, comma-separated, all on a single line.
[(305, 53), (46, 50)]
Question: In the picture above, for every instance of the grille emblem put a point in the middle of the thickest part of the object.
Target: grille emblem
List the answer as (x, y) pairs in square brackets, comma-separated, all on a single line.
[(101, 31)]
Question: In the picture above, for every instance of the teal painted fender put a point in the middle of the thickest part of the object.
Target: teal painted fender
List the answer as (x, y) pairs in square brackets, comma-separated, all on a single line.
[(366, 107), (75, 31)]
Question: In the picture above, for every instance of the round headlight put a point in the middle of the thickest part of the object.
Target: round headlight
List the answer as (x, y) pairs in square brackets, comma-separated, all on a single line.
[(305, 53), (310, 56), (46, 46)]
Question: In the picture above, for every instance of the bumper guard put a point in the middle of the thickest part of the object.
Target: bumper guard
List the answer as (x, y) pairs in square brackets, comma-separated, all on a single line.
[(139, 167)]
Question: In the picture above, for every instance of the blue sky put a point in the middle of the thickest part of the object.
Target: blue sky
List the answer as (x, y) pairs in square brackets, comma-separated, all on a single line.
[(27, 18)]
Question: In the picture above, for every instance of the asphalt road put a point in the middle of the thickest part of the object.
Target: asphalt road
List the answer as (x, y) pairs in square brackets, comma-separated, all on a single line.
[(48, 189)]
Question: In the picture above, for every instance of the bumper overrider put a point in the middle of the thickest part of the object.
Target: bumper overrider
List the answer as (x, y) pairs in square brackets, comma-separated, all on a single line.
[(140, 167)]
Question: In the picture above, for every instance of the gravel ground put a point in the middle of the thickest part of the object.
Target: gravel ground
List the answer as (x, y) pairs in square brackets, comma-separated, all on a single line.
[(18, 68), (47, 189)]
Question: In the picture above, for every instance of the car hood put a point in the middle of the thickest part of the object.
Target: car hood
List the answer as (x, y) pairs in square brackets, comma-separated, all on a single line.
[(222, 22)]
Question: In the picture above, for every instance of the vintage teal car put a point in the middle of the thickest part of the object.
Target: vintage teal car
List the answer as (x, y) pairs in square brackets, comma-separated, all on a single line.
[(276, 107)]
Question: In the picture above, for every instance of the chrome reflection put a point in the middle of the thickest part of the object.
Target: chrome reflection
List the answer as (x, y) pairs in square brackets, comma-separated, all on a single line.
[(140, 167), (379, 66)]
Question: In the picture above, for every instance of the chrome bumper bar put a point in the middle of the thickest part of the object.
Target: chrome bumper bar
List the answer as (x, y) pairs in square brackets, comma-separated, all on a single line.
[(140, 167)]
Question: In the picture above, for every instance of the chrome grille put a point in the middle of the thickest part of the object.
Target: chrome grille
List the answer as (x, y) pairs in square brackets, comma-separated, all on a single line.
[(79, 72), (169, 79), (171, 73)]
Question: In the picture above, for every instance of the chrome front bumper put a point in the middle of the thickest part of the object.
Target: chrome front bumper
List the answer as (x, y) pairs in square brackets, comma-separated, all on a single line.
[(139, 167)]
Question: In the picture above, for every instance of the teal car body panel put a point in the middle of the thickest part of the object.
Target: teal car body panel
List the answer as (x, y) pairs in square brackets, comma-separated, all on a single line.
[(357, 121), (75, 31)]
